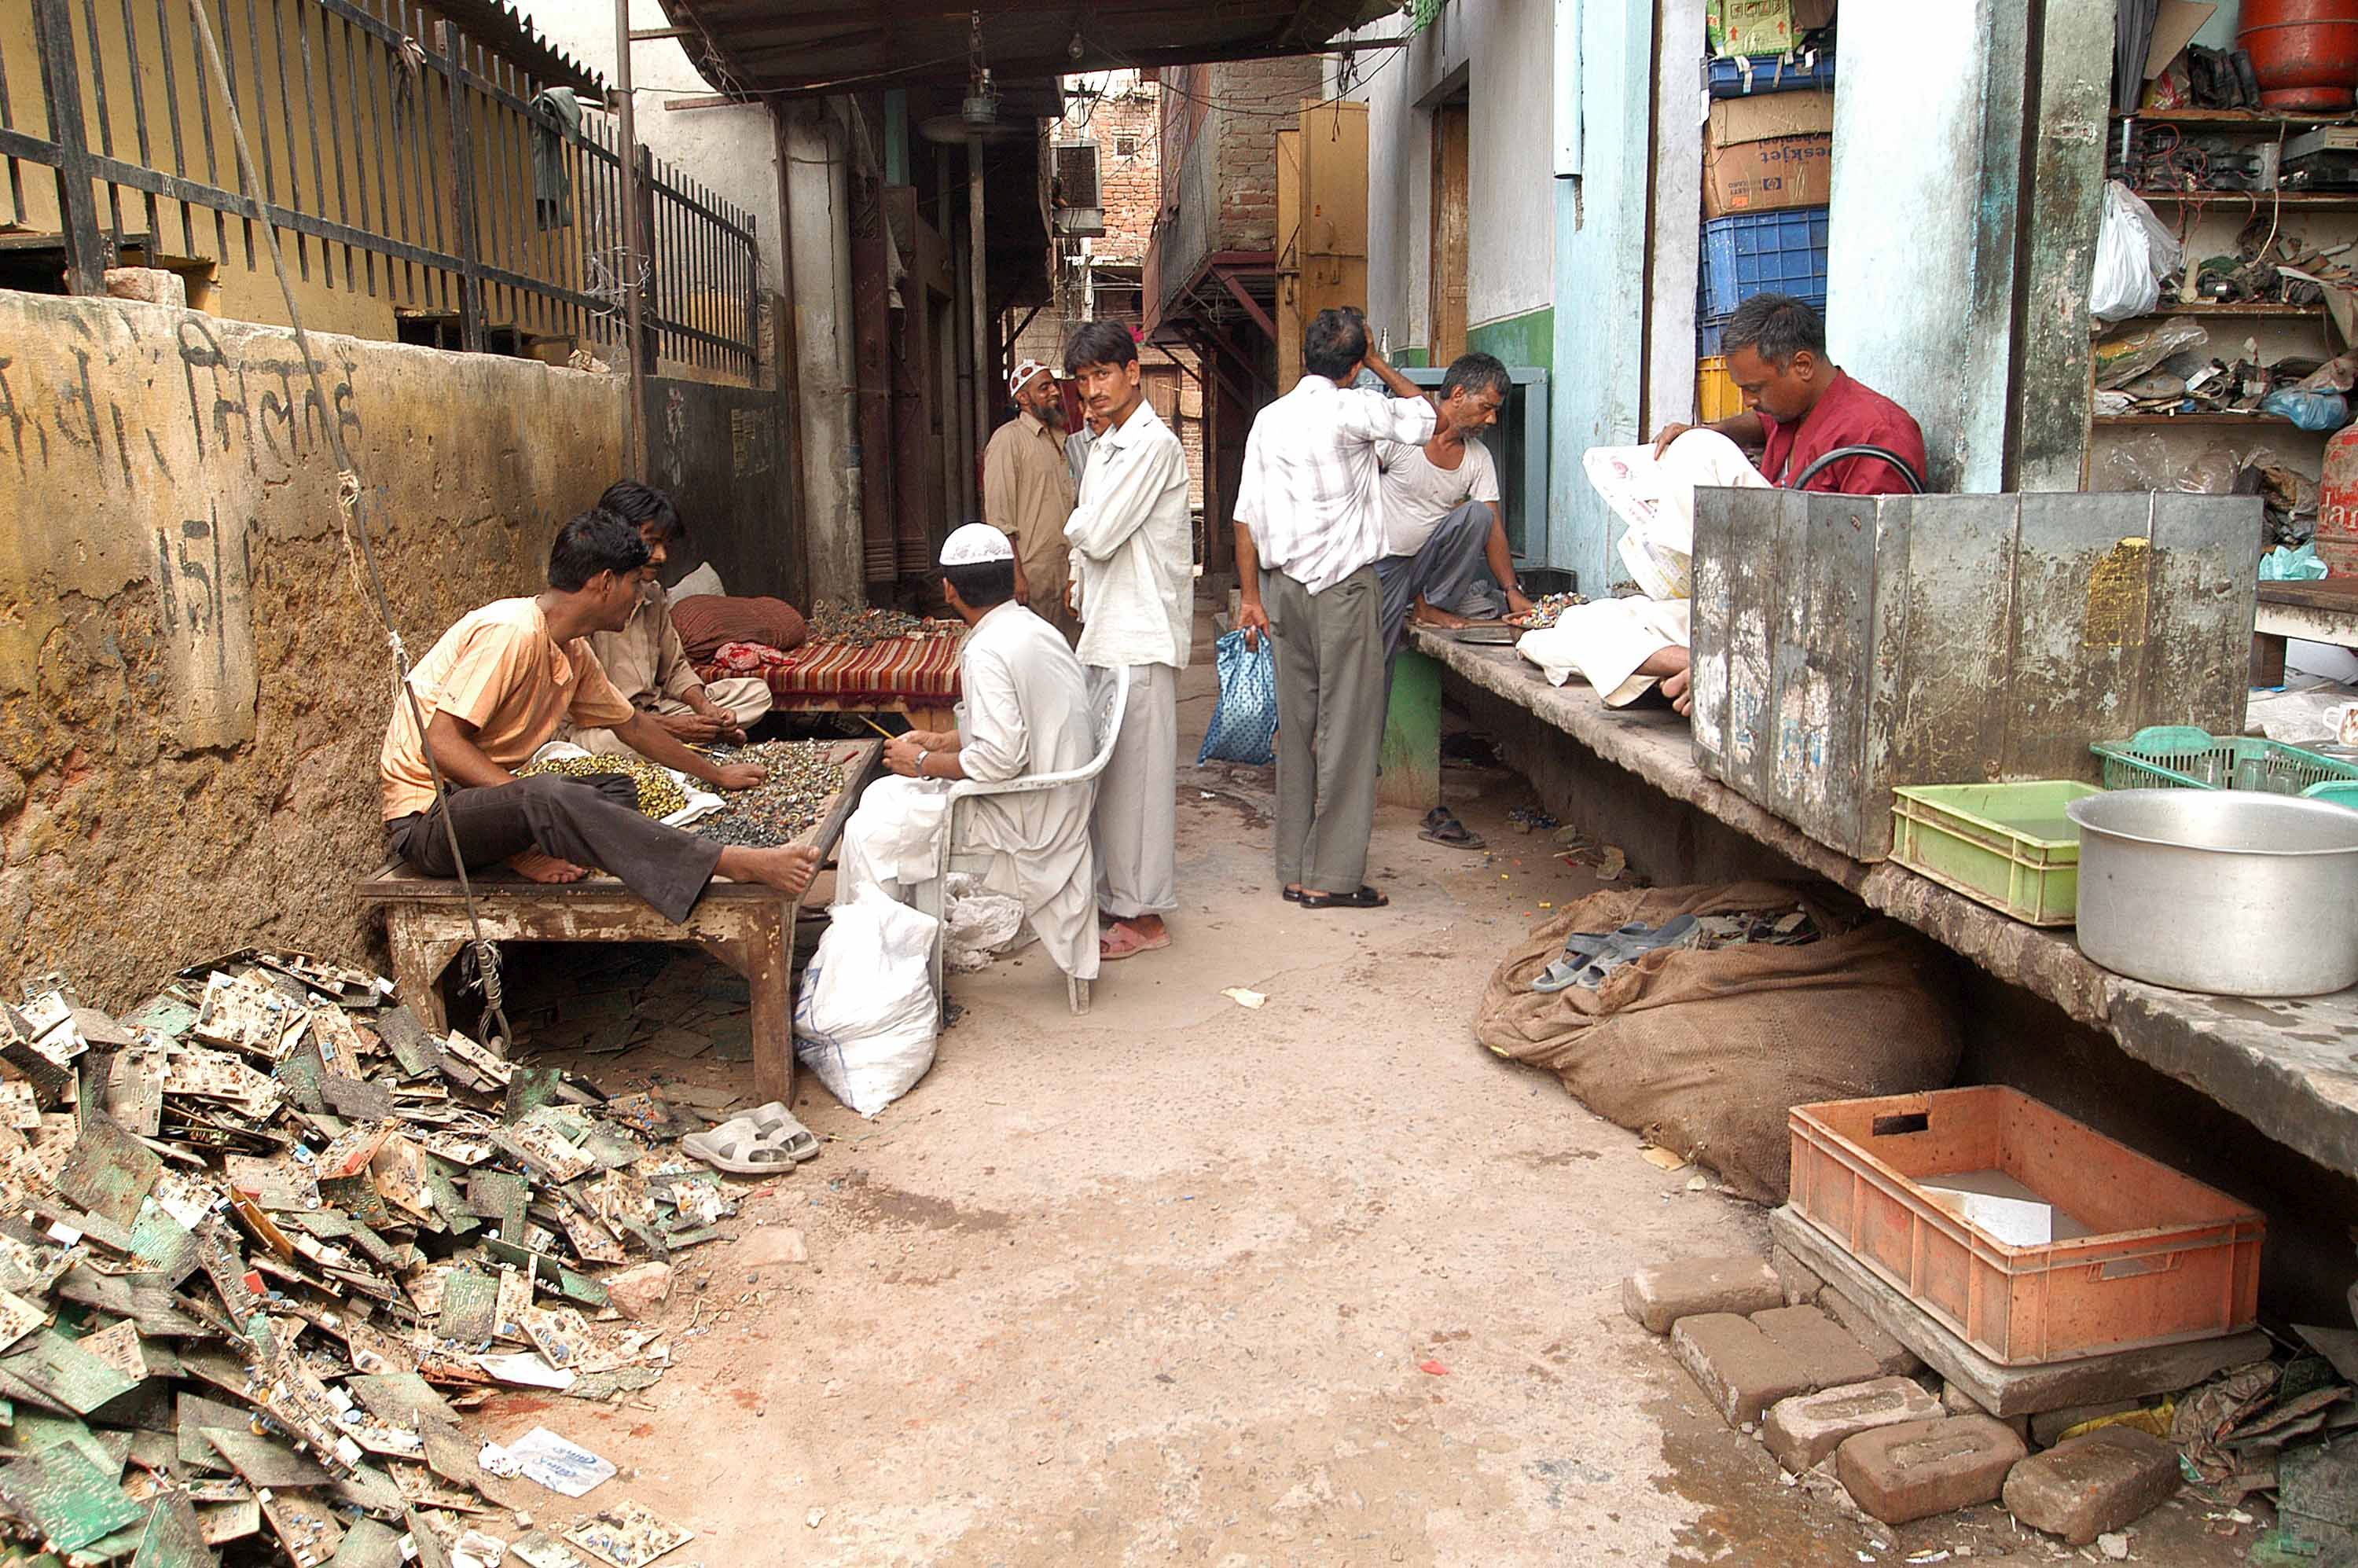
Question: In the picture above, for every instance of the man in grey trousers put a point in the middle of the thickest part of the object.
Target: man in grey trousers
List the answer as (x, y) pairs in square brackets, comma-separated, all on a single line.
[(1310, 528)]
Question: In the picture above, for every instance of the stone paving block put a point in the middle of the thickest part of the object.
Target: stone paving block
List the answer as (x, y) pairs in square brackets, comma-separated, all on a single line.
[(1740, 1369), (1804, 1430), (2048, 1427), (1920, 1468), (1822, 1345), (2095, 1484), (1659, 1295), (1894, 1359), (1802, 1283)]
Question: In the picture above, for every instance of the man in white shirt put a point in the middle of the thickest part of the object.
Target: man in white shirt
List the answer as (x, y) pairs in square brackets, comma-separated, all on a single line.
[(1026, 712), (1134, 567), (1445, 552), (1309, 531)]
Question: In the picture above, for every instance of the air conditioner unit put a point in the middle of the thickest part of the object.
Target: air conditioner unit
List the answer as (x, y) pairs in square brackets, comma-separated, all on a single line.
[(1080, 214)]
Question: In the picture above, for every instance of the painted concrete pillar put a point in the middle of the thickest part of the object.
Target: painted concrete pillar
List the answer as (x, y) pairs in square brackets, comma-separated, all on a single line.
[(1951, 287), (1600, 268), (815, 190)]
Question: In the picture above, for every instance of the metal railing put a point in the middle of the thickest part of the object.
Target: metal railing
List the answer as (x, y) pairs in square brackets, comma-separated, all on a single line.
[(421, 183)]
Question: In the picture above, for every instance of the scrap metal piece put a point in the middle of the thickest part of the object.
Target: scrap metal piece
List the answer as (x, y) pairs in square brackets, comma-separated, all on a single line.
[(261, 1463), (469, 1306), (135, 1093), (337, 1041), (476, 1066), (367, 1544), (355, 1097), (225, 1522), (406, 1038), (68, 1499), (118, 1346), (59, 1367), (560, 1335), (304, 1525), (174, 1536), (353, 1149), (245, 1014), (627, 1536), (109, 1171)]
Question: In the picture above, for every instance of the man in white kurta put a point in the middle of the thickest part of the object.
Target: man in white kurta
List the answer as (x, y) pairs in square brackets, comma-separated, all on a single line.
[(1026, 711), (1134, 570)]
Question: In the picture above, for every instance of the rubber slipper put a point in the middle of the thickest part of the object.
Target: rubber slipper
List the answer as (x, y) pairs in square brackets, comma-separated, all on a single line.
[(1366, 898), (762, 1142), (1137, 943), (1447, 830)]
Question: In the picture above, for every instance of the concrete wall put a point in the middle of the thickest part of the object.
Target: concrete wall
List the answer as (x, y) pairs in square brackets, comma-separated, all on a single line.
[(192, 688), (1502, 53)]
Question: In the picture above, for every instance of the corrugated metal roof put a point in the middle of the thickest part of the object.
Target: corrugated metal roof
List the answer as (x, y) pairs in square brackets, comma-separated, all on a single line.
[(503, 29), (819, 46)]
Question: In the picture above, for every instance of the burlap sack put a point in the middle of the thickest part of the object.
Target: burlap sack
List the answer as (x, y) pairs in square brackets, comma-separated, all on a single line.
[(1705, 1052)]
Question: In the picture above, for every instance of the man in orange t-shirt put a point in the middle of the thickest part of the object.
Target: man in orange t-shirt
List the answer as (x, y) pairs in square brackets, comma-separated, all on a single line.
[(492, 691)]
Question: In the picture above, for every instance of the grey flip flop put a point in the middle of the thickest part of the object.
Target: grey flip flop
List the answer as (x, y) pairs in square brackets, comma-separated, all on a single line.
[(763, 1141)]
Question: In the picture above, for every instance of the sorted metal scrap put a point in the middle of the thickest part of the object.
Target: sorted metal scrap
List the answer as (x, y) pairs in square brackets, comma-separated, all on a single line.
[(858, 627), (805, 778), (269, 1204)]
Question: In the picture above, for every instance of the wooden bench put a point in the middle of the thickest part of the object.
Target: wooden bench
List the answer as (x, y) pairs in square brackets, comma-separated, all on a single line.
[(746, 926)]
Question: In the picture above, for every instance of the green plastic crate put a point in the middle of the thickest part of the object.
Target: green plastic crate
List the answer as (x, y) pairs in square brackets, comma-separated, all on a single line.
[(2009, 845), (2174, 756), (2341, 792)]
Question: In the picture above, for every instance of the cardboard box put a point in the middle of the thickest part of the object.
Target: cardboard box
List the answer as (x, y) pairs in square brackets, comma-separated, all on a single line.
[(1769, 152), (1750, 27)]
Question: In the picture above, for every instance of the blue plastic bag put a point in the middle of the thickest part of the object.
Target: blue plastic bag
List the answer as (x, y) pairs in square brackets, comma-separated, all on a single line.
[(2309, 410), (1244, 725), (2281, 565)]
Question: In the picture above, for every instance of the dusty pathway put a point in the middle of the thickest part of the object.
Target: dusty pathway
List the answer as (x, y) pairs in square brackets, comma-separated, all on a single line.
[(1322, 1282)]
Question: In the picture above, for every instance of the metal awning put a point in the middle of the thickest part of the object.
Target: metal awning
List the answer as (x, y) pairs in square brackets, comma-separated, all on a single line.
[(788, 47)]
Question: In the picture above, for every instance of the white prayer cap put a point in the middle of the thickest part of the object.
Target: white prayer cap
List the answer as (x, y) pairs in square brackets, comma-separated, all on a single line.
[(974, 544), (1025, 374)]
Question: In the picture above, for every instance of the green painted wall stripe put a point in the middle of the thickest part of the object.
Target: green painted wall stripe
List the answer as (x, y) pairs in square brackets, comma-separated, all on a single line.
[(1412, 358), (1525, 340)]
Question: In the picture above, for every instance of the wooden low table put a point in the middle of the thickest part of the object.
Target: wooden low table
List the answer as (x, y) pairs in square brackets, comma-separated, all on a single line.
[(746, 926), (2321, 611)]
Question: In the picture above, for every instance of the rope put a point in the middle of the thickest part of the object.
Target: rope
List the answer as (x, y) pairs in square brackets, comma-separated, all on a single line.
[(351, 495)]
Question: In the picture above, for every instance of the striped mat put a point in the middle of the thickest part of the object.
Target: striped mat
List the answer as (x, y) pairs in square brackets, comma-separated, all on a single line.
[(909, 669)]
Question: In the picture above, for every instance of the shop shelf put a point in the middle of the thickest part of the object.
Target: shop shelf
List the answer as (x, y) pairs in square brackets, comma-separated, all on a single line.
[(2315, 201), (1748, 76), (2172, 756), (2007, 844), (1764, 252), (2139, 1254)]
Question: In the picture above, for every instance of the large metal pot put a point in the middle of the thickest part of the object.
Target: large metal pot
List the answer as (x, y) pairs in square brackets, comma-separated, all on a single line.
[(2232, 891)]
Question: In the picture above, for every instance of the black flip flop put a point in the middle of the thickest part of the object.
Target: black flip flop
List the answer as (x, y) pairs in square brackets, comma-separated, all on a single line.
[(1442, 826), (1366, 898)]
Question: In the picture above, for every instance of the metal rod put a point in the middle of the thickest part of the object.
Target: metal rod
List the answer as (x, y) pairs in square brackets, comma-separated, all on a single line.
[(634, 447), (980, 310)]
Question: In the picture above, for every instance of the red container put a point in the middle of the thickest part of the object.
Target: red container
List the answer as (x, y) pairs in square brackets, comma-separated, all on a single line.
[(2164, 1259), (2337, 504), (2305, 53)]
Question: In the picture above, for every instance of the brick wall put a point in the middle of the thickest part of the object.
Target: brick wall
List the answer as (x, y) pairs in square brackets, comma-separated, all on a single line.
[(1130, 184), (1252, 95)]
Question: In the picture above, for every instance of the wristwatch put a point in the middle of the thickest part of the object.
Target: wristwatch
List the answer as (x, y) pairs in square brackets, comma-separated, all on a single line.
[(921, 755)]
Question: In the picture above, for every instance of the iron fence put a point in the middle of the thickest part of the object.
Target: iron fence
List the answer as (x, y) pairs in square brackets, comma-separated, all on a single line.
[(423, 185)]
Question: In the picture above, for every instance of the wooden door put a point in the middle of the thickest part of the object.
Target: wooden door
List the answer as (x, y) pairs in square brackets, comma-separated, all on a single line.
[(1449, 211)]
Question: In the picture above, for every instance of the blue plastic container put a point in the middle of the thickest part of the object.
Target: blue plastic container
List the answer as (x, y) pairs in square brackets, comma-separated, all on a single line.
[(1707, 335), (1763, 252), (1746, 76)]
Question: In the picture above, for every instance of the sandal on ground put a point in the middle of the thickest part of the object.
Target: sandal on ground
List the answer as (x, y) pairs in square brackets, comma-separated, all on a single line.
[(1442, 826), (1366, 898), (1133, 943), (763, 1141), (1291, 895)]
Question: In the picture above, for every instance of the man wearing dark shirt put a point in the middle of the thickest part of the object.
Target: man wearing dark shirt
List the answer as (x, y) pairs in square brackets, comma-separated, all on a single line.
[(1799, 406)]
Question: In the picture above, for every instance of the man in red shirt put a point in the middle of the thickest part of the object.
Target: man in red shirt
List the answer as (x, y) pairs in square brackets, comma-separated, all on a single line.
[(1799, 406)]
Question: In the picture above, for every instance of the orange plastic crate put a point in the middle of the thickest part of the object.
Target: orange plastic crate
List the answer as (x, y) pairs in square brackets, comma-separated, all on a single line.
[(2168, 1258)]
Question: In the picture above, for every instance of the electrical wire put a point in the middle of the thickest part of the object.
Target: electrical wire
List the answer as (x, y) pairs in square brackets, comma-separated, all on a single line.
[(352, 498)]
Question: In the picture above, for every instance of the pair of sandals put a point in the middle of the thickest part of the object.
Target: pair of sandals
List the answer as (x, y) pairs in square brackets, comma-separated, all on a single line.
[(1590, 958), (765, 1142), (1442, 826), (1366, 898)]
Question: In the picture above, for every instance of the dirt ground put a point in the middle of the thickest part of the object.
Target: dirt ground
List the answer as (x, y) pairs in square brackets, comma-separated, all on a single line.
[(1319, 1283)]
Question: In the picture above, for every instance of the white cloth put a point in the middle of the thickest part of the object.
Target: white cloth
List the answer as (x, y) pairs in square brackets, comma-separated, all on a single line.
[(1026, 712), (1655, 496), (1308, 492), (1133, 548), (1605, 642), (1136, 825), (1418, 493)]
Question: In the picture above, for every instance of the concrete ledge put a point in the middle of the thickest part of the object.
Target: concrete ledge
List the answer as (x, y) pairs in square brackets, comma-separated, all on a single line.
[(2290, 1068)]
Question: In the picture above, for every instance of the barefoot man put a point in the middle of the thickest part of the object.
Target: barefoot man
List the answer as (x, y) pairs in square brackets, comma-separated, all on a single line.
[(496, 687)]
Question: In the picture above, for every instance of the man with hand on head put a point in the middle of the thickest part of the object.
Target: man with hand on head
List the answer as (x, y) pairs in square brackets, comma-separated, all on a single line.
[(1310, 528), (1134, 567), (1026, 712), (492, 691), (1027, 493)]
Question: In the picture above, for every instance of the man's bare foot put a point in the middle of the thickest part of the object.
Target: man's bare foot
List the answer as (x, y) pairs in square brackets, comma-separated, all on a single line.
[(789, 867), (536, 866), (1679, 690)]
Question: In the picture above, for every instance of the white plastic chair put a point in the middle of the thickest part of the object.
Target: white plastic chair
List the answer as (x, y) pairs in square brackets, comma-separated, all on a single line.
[(931, 897)]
